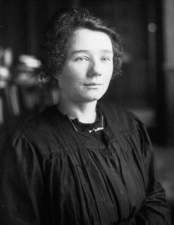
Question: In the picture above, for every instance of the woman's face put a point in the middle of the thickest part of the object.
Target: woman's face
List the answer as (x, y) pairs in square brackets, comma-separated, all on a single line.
[(88, 67)]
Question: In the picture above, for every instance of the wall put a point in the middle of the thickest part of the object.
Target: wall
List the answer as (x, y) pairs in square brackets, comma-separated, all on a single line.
[(168, 9)]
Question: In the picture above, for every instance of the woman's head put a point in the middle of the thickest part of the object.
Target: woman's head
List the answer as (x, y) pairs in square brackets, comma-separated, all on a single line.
[(59, 31)]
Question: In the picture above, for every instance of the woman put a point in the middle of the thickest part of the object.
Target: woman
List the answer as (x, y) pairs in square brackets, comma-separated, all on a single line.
[(81, 161)]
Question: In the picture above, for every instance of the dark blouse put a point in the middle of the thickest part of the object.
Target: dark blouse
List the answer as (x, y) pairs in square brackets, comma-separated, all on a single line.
[(52, 175)]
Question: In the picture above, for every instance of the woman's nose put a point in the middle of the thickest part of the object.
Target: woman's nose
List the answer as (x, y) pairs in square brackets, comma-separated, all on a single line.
[(95, 69)]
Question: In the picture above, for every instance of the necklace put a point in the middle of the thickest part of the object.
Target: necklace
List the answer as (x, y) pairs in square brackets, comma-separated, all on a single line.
[(73, 125), (97, 127)]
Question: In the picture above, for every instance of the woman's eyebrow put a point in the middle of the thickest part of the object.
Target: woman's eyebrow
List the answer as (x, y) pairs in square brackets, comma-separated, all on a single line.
[(88, 52), (107, 51), (79, 51)]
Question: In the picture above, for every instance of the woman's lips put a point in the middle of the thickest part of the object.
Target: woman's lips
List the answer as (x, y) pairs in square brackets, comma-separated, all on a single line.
[(93, 84)]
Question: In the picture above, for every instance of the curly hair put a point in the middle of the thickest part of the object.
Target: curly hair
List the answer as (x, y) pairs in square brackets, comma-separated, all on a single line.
[(59, 31)]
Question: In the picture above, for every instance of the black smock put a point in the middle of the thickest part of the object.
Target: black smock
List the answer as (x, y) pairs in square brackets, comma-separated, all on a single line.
[(52, 175)]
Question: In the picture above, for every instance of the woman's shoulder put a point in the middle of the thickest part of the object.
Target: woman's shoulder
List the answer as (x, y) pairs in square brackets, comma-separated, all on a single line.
[(36, 123), (38, 134), (126, 121), (37, 130)]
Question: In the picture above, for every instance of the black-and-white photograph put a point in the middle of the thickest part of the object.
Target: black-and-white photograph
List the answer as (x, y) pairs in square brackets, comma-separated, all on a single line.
[(86, 112)]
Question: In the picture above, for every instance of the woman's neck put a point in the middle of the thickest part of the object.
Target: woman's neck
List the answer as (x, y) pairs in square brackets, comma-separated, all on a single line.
[(85, 113)]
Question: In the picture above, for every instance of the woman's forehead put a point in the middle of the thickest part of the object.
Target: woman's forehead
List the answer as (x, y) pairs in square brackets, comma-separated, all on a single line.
[(89, 40)]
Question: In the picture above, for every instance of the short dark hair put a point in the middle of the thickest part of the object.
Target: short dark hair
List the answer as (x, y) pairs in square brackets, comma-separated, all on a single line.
[(59, 31)]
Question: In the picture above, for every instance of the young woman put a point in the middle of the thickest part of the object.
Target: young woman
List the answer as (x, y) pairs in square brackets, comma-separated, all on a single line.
[(80, 162)]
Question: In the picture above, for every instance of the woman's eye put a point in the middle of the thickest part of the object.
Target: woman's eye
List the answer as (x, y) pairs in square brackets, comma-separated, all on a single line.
[(81, 59), (105, 59)]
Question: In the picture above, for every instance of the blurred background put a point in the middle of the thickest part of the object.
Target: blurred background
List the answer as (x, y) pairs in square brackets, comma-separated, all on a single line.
[(146, 86)]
